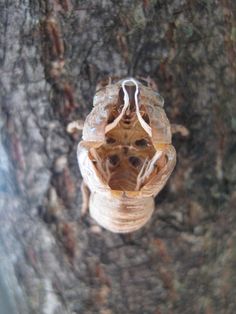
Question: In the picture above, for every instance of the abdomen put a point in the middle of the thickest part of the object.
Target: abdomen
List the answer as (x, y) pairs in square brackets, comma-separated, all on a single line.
[(120, 213)]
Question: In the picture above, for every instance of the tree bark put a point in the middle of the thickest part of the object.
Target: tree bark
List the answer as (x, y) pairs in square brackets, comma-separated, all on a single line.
[(53, 260)]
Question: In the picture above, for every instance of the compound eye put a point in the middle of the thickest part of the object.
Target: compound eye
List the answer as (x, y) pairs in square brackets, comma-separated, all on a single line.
[(113, 160), (110, 140), (135, 161), (141, 143)]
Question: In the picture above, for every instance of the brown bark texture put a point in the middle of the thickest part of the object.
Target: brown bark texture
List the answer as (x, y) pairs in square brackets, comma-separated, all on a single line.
[(56, 261)]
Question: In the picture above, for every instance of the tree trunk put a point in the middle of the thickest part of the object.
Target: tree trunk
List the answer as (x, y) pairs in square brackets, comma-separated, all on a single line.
[(53, 260)]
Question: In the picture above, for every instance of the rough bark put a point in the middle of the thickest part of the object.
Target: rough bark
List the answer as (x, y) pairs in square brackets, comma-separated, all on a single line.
[(52, 259)]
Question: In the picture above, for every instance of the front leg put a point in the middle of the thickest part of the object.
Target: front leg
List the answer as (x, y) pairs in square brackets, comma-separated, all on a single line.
[(75, 126), (94, 228), (178, 128), (85, 198)]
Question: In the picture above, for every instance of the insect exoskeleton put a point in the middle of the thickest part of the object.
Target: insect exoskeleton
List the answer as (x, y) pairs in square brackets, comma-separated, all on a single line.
[(126, 155)]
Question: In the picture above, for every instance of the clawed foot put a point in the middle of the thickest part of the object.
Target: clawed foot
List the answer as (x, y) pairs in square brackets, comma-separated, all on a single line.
[(75, 126), (178, 128)]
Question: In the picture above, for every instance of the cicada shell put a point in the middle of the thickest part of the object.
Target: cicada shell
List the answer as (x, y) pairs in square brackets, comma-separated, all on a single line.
[(125, 155)]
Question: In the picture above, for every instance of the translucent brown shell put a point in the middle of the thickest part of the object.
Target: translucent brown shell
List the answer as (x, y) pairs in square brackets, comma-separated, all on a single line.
[(126, 155)]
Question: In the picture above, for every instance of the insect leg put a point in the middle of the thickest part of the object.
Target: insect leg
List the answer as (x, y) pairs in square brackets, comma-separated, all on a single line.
[(75, 126), (178, 128), (85, 198)]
